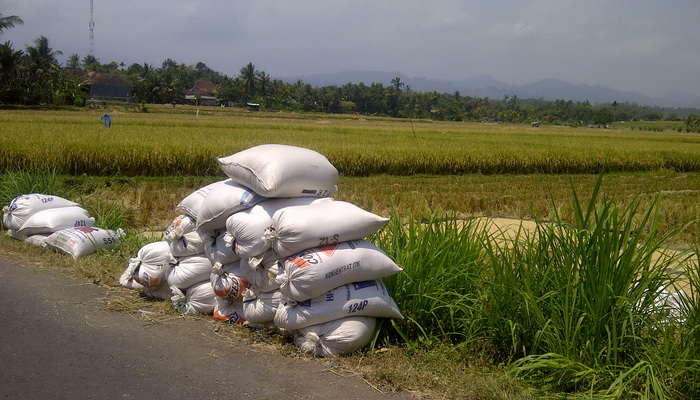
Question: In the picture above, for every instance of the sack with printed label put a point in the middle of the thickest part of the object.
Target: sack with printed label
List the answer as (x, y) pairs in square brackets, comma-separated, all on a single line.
[(246, 228), (55, 219), (301, 227), (337, 337), (183, 238), (262, 271), (198, 298), (276, 170), (368, 298), (188, 270), (191, 204), (315, 271), (78, 242), (259, 308), (227, 281), (151, 263), (222, 201), (229, 311), (24, 206), (216, 248)]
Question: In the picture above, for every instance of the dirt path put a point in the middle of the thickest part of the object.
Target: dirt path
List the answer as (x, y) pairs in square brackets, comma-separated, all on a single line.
[(57, 342)]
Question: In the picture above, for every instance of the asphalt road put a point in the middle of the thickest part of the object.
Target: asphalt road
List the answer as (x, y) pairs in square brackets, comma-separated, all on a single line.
[(56, 342)]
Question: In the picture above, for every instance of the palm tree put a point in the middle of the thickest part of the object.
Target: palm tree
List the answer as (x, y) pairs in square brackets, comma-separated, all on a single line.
[(42, 54), (249, 76), (9, 22)]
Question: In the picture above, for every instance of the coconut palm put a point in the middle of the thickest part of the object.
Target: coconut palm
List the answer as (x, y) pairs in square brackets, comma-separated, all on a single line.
[(42, 54), (9, 22), (249, 76)]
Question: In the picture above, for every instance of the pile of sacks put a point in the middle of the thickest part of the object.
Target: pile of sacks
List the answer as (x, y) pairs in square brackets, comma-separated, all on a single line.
[(54, 222), (269, 247)]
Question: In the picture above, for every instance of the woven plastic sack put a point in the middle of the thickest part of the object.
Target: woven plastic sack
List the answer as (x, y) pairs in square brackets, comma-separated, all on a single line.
[(186, 271), (222, 201), (247, 227), (151, 263), (127, 278), (369, 298), (315, 271), (198, 298), (37, 240), (191, 204), (301, 227), (229, 311), (262, 271), (216, 248), (227, 281), (55, 219), (259, 308), (24, 206), (276, 170), (160, 292), (79, 242), (183, 238), (337, 337)]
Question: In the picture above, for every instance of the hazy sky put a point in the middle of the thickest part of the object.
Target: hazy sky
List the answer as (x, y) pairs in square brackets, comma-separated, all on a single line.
[(648, 46)]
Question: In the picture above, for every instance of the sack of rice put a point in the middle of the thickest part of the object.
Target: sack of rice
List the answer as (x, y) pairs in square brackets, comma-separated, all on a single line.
[(183, 238), (369, 298), (37, 240), (151, 263), (127, 278), (216, 249), (229, 311), (55, 219), (261, 271), (188, 270), (301, 227), (24, 206), (222, 201), (198, 298), (247, 227), (227, 281), (78, 242), (259, 308), (191, 204), (337, 337), (160, 292), (315, 271), (276, 170)]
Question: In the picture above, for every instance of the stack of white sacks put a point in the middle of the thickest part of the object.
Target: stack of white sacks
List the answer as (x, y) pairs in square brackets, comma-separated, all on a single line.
[(268, 247), (54, 222)]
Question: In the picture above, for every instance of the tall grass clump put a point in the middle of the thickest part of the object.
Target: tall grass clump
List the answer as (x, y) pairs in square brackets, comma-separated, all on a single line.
[(17, 182), (577, 307)]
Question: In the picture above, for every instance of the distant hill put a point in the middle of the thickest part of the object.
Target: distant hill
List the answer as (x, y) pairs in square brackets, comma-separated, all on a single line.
[(488, 86)]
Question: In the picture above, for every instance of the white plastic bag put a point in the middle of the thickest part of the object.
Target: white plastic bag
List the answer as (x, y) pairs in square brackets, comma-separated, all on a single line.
[(55, 219), (198, 298), (262, 271), (276, 170), (369, 298), (191, 204), (78, 242), (301, 227), (186, 271), (229, 311), (337, 337), (151, 264), (24, 206), (315, 271), (259, 308), (222, 201), (183, 238), (227, 281), (216, 248)]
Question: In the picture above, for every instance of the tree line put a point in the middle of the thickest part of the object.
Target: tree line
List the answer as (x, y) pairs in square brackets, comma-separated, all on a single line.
[(34, 76)]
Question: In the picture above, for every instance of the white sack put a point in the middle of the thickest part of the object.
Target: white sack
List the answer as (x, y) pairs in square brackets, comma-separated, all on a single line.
[(247, 227), (227, 281), (186, 271), (275, 170), (301, 227), (262, 271), (224, 199), (216, 248), (183, 238), (78, 242), (127, 278), (37, 240), (338, 337), (368, 298), (191, 204), (160, 292), (24, 206), (198, 298), (315, 271), (151, 263), (229, 311), (55, 219), (260, 308)]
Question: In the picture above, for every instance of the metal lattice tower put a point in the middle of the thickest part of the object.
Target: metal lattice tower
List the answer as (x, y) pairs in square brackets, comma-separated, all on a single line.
[(92, 32)]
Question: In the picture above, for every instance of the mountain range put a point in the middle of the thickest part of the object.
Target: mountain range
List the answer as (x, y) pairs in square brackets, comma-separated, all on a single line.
[(488, 86)]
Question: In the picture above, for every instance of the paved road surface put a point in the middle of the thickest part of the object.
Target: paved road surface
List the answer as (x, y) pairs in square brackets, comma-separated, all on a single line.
[(57, 343)]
